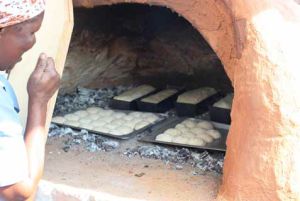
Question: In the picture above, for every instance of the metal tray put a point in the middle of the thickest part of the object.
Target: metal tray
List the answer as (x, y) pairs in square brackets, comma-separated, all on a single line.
[(217, 145), (121, 137)]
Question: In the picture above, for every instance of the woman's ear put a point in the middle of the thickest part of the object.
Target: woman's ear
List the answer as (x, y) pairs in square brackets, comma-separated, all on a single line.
[(1, 31)]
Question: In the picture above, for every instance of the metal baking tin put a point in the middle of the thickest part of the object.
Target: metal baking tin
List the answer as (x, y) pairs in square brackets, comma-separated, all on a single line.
[(121, 137), (221, 115), (162, 106), (217, 145), (125, 105), (190, 110)]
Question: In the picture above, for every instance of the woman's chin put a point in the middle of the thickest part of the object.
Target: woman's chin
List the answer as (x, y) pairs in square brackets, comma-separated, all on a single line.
[(10, 66)]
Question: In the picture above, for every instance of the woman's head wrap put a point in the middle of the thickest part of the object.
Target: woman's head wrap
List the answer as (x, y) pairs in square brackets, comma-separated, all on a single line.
[(17, 11)]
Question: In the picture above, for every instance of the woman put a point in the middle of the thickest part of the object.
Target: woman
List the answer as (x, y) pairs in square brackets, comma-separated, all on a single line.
[(22, 150)]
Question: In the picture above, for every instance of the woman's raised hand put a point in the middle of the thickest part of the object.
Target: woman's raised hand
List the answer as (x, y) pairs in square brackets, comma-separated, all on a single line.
[(44, 80)]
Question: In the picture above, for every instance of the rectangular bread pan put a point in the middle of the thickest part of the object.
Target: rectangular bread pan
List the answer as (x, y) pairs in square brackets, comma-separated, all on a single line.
[(190, 110), (160, 107)]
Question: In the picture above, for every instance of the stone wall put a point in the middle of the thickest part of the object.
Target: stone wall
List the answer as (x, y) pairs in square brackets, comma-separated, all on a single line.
[(125, 44)]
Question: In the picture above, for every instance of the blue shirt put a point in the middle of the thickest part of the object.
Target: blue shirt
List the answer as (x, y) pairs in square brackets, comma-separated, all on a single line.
[(13, 155)]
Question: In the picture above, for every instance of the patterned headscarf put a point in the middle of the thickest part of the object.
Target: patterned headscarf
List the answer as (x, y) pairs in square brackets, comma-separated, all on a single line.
[(17, 11)]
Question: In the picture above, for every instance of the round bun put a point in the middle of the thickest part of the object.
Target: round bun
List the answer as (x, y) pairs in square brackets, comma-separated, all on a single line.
[(111, 126), (85, 121), (97, 124), (125, 130), (172, 132), (118, 122), (207, 138), (152, 119), (189, 123), (106, 113), (102, 129), (72, 123), (180, 140), (119, 115), (81, 113), (71, 117), (93, 117), (214, 134), (136, 114), (163, 138), (107, 119), (196, 142), (115, 131), (140, 125), (180, 126), (93, 110), (128, 118), (198, 131), (86, 126), (58, 119), (184, 130), (205, 125)]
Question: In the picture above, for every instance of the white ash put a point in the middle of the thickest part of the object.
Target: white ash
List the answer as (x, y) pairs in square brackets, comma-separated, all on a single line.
[(206, 161), (83, 98), (202, 161), (90, 141)]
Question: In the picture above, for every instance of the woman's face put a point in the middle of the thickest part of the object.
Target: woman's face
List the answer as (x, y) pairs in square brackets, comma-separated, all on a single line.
[(16, 40)]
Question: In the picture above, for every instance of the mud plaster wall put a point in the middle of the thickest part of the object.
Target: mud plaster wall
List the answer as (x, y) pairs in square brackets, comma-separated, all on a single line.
[(258, 42), (135, 43)]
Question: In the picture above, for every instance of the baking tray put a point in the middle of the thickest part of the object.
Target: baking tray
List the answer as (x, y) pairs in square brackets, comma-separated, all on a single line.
[(217, 145), (190, 110), (121, 137), (125, 105), (160, 107), (221, 115)]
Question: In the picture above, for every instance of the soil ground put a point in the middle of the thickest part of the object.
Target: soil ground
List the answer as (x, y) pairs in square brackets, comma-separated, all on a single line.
[(116, 174)]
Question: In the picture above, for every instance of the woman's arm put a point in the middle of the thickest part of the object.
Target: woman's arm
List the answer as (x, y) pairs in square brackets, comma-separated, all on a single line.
[(42, 84)]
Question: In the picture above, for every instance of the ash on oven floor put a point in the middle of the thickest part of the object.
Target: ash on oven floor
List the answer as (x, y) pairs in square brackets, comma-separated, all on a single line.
[(84, 98)]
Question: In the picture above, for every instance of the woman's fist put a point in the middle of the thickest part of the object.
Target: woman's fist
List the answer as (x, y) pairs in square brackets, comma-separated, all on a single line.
[(44, 80)]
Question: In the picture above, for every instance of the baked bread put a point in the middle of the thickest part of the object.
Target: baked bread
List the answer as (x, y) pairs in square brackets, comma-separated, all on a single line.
[(160, 96), (135, 93), (196, 96), (225, 103)]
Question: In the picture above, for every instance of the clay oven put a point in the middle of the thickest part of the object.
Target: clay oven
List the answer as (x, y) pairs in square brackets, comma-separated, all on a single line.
[(256, 43)]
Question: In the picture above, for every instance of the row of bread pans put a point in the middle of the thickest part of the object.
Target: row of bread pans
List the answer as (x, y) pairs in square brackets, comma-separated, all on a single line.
[(182, 109)]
